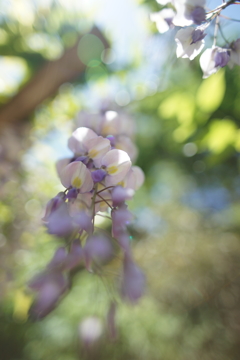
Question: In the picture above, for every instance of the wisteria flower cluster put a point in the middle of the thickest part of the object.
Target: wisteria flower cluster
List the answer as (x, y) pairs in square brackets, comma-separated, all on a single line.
[(194, 19), (99, 177)]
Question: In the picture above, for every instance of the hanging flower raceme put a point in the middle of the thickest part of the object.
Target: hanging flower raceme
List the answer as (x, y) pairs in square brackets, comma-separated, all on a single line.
[(99, 178)]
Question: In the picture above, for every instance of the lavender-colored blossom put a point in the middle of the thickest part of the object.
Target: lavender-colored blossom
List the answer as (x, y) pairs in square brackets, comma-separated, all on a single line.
[(115, 123), (125, 143), (58, 260), (134, 178), (50, 288), (83, 220), (221, 58), (198, 15), (61, 164), (52, 205), (59, 221), (120, 219), (213, 59), (189, 12), (163, 19), (98, 248), (117, 163), (78, 176), (234, 54), (112, 140), (133, 281), (85, 142), (75, 256), (189, 42), (198, 35), (120, 195)]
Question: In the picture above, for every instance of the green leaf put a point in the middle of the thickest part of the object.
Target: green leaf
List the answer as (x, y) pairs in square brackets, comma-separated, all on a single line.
[(211, 92)]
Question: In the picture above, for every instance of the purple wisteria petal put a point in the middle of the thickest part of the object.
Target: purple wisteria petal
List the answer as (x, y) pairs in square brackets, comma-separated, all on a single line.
[(222, 58), (198, 15), (112, 140), (75, 256), (49, 293), (52, 205), (120, 219), (197, 35), (120, 195), (98, 175), (133, 281), (98, 248), (79, 140), (59, 221), (213, 59), (84, 221), (72, 194), (58, 260), (61, 164)]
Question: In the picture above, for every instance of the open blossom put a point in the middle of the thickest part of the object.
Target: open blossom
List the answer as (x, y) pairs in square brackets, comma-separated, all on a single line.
[(213, 59), (163, 19), (234, 54), (85, 142), (116, 163), (134, 178), (189, 12), (189, 42), (78, 176)]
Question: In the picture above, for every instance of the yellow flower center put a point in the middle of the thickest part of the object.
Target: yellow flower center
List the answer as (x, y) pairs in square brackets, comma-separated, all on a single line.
[(112, 170), (93, 153), (77, 182)]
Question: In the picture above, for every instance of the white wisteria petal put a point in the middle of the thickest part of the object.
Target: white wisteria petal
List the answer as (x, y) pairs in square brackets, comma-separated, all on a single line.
[(134, 178), (185, 46), (164, 2), (79, 140), (117, 163), (125, 143), (90, 120), (207, 63), (185, 11), (78, 176), (97, 148), (61, 164), (213, 59), (163, 19)]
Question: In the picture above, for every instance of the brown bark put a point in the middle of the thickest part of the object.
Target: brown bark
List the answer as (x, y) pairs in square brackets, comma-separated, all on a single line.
[(44, 84)]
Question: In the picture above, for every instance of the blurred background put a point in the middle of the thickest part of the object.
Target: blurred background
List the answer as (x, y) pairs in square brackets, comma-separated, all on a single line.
[(186, 235)]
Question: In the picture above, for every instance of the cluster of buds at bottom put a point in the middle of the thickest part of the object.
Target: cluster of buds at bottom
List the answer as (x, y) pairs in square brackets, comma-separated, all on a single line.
[(98, 178)]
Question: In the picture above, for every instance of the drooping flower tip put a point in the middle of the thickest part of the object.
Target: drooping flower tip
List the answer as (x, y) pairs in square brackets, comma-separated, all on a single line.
[(120, 195), (133, 281), (50, 287)]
